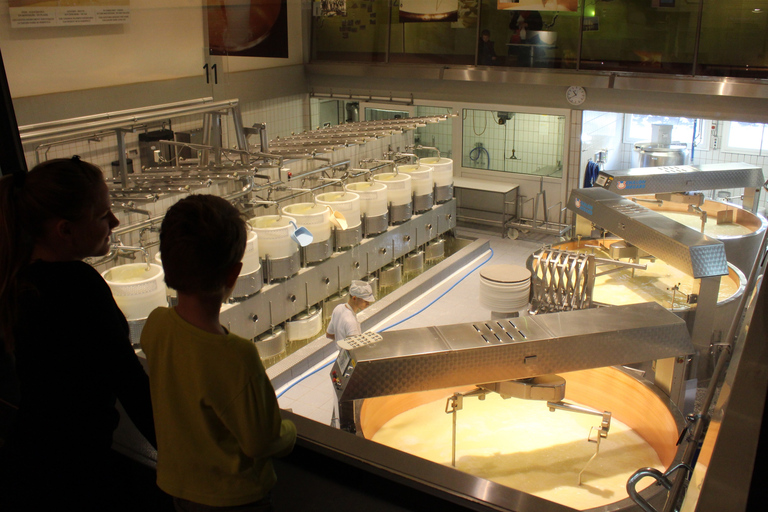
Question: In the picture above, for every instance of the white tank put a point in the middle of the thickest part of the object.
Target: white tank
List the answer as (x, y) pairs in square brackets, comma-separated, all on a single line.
[(138, 288), (315, 217), (398, 187), (304, 325), (421, 178), (274, 235), (345, 203), (442, 170), (251, 256), (373, 197)]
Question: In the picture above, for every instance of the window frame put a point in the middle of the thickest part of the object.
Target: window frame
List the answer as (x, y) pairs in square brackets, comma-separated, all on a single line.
[(727, 148), (703, 145)]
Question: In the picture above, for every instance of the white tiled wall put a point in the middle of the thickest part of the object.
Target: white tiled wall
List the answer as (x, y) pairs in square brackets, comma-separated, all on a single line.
[(437, 135), (526, 143)]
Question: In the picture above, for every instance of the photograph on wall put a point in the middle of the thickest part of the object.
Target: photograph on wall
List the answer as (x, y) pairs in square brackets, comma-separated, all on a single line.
[(333, 7), (538, 5), (467, 14), (48, 13), (248, 28), (429, 10)]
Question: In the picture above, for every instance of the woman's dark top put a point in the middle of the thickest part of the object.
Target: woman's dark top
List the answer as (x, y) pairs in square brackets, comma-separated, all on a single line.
[(73, 359)]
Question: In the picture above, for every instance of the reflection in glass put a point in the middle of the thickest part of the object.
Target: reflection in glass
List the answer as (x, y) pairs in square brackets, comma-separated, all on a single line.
[(513, 142), (531, 38), (377, 114), (733, 39), (651, 36), (358, 35)]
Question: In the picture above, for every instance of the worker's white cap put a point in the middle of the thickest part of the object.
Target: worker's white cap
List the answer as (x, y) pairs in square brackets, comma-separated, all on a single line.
[(362, 290)]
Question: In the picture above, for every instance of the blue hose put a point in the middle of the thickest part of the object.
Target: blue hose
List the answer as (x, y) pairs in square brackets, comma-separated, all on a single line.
[(441, 295), (396, 323), (329, 363), (480, 150)]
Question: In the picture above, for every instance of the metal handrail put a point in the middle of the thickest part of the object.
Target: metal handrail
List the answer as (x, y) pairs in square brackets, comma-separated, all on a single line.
[(121, 119)]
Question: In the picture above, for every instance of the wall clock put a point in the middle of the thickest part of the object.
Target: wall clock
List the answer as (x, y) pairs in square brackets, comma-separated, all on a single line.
[(576, 95)]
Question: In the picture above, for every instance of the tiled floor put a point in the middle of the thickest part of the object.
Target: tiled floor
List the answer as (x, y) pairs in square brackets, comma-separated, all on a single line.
[(312, 396)]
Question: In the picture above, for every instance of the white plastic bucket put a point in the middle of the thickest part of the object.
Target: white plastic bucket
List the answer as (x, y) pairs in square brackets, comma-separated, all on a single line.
[(421, 178), (398, 187), (274, 235), (170, 292), (442, 170), (315, 217), (373, 197), (137, 289), (304, 325), (251, 256), (345, 203)]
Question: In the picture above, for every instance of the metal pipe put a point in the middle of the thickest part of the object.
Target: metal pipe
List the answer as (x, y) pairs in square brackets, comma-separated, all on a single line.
[(425, 147), (49, 145), (31, 135), (149, 223), (129, 207), (112, 115), (697, 42), (208, 147), (324, 168)]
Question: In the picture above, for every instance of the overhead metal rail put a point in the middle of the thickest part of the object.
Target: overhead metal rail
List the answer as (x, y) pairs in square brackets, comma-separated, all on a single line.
[(125, 119)]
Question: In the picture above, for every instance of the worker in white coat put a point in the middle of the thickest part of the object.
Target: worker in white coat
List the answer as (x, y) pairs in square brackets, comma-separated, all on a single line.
[(344, 318)]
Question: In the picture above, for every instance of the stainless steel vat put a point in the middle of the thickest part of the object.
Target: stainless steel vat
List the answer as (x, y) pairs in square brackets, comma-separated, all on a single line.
[(647, 154)]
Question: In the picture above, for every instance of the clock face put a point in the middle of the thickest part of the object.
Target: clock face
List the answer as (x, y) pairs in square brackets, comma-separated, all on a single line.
[(576, 95)]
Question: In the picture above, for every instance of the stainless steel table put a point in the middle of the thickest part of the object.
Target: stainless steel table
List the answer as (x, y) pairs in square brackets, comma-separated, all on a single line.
[(484, 201)]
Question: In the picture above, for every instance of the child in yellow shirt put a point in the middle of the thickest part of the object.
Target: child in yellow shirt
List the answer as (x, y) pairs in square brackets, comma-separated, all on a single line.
[(216, 415)]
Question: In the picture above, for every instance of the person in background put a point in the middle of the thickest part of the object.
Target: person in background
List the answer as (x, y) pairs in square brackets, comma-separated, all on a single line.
[(486, 56), (70, 342), (344, 322), (522, 24), (216, 415)]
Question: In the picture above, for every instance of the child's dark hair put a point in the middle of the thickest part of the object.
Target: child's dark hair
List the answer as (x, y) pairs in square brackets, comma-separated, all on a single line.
[(201, 238), (63, 188), (485, 32)]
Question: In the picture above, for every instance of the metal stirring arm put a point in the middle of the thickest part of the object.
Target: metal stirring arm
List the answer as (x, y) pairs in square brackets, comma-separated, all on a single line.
[(131, 249), (702, 214), (602, 430), (453, 405)]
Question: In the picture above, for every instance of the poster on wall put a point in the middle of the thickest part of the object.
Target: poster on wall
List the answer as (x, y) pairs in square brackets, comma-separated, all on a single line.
[(330, 8), (538, 5), (51, 13), (248, 28), (429, 10), (467, 14)]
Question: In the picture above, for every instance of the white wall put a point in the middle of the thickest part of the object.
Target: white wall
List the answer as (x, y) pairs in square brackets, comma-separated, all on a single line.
[(165, 39)]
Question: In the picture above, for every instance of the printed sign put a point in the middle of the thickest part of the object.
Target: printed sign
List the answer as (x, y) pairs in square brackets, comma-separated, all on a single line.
[(47, 13), (538, 5)]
